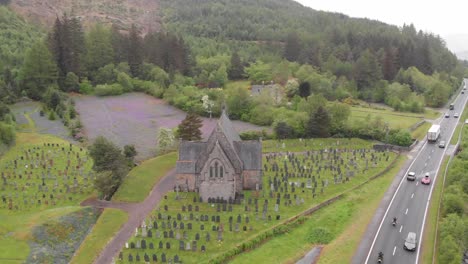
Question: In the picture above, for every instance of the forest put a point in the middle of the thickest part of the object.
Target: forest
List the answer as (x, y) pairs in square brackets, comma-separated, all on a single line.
[(320, 63)]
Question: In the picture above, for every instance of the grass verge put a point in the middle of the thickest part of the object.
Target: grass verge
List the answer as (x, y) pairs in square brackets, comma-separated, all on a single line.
[(139, 182), (106, 227), (394, 119), (430, 236), (420, 132), (346, 220)]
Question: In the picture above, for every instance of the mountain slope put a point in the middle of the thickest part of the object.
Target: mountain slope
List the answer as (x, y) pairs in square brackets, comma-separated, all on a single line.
[(122, 13)]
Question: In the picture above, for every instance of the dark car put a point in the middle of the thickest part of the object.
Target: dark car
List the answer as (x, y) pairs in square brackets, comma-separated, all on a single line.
[(410, 242), (442, 144)]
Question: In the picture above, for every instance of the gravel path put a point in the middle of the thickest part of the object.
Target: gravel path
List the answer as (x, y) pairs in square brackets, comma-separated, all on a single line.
[(136, 212)]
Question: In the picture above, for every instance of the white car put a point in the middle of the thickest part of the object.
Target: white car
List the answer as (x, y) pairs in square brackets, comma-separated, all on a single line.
[(411, 176), (455, 115), (447, 115)]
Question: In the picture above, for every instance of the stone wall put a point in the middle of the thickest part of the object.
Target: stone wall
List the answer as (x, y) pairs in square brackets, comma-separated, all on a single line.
[(251, 178), (212, 189), (186, 181)]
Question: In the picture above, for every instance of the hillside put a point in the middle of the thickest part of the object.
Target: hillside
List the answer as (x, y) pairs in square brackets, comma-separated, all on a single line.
[(122, 13)]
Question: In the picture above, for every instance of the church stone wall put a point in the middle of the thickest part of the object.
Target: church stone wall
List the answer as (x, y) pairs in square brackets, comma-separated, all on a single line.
[(186, 181), (251, 178), (211, 189)]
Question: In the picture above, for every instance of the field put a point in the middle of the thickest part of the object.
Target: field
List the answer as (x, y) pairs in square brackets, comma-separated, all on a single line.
[(394, 119), (183, 228), (135, 119)]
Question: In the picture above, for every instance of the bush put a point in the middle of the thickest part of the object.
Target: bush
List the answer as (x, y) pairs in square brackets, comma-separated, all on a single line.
[(106, 89), (86, 87), (319, 235), (52, 115), (255, 135), (7, 134), (400, 138)]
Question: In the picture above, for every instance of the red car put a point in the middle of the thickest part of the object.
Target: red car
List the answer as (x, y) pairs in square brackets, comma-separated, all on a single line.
[(426, 179)]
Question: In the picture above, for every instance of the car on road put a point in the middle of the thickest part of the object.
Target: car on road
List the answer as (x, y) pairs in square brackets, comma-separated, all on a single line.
[(410, 242), (447, 115), (442, 144), (455, 115), (426, 179), (411, 176)]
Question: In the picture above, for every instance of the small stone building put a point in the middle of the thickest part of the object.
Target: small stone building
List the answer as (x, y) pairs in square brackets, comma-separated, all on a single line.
[(223, 166)]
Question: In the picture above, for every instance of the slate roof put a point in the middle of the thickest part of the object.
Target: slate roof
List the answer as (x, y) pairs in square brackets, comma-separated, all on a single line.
[(250, 152), (242, 154)]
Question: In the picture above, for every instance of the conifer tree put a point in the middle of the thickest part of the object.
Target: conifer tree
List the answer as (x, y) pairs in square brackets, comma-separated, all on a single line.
[(189, 128), (319, 124), (135, 56), (237, 69)]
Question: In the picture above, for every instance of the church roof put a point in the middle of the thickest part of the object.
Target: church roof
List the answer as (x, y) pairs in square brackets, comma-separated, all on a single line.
[(242, 154), (250, 152), (225, 125)]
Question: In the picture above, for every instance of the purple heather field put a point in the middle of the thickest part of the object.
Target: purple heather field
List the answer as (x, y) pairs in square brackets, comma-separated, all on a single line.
[(134, 118)]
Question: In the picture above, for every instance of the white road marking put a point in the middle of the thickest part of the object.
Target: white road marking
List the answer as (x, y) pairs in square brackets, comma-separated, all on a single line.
[(394, 249), (406, 211), (425, 164), (432, 151), (412, 195), (401, 227), (417, 183), (429, 158)]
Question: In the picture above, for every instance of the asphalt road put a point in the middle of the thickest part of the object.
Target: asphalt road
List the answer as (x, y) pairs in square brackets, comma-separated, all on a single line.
[(411, 200)]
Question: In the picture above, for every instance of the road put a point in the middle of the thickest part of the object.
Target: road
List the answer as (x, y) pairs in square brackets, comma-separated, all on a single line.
[(411, 199)]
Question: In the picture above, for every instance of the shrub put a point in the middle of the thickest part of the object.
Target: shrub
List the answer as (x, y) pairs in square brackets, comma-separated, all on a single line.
[(319, 235), (7, 134), (106, 89), (52, 115)]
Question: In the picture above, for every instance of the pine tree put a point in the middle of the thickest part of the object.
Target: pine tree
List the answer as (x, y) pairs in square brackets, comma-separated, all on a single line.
[(189, 128), (304, 89), (38, 72), (236, 70), (319, 124), (292, 48), (135, 56)]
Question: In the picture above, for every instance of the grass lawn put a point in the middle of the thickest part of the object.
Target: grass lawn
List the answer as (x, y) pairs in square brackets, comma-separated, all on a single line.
[(139, 182), (105, 228), (394, 119), (420, 132), (346, 220), (430, 235), (15, 231)]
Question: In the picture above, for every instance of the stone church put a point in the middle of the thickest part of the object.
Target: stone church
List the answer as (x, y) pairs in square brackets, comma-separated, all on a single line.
[(223, 166)]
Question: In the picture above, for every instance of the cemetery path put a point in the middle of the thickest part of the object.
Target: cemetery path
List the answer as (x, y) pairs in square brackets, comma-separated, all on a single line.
[(136, 212)]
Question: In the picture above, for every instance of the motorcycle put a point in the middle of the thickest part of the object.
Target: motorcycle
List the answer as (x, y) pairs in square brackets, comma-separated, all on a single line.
[(380, 258)]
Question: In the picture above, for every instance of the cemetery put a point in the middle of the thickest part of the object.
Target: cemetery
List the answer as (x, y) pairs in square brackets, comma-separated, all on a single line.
[(184, 228), (45, 176), (43, 179)]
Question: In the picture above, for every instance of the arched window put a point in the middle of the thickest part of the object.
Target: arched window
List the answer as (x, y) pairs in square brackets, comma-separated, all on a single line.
[(211, 171), (216, 169), (221, 171)]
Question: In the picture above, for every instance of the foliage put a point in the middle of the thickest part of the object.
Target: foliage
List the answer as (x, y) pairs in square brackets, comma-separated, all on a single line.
[(283, 130), (108, 89), (319, 124), (38, 72), (400, 137), (165, 139), (189, 128), (110, 163), (319, 235)]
